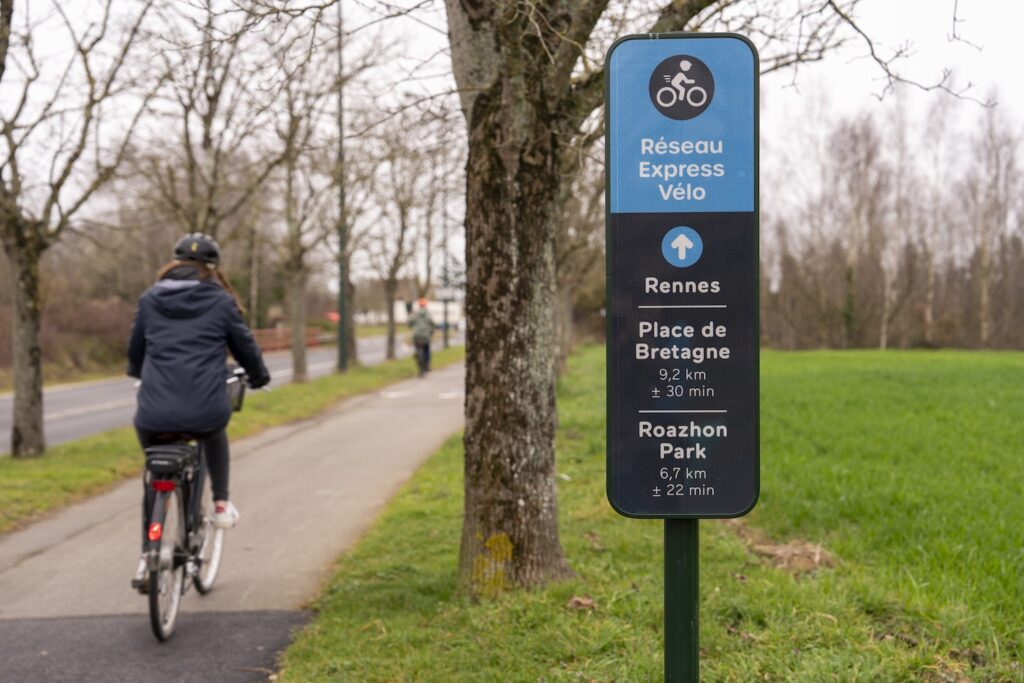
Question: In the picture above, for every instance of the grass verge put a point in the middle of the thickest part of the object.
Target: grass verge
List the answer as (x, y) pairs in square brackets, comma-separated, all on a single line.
[(363, 331), (906, 465), (55, 373), (77, 469)]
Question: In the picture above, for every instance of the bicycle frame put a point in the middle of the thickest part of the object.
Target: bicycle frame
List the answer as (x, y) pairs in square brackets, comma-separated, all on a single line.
[(189, 482)]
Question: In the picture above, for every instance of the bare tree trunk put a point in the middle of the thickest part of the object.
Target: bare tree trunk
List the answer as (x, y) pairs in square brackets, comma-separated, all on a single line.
[(423, 288), (27, 438), (512, 91), (27, 232), (297, 315), (984, 295), (390, 289), (929, 303), (510, 526), (883, 332), (350, 321), (563, 327), (254, 278), (850, 309)]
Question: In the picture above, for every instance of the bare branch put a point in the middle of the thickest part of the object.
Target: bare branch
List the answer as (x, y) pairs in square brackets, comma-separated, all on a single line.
[(892, 77), (104, 172), (98, 91), (955, 36)]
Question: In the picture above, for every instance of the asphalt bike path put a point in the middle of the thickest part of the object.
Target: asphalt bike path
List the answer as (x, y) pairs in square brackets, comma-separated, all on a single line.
[(306, 492), (71, 411)]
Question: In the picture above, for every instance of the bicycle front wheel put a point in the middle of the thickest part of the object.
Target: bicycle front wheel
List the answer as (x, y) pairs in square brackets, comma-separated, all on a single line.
[(212, 546), (167, 578)]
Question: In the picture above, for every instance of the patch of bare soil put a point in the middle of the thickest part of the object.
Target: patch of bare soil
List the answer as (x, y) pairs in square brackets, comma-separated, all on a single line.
[(946, 672), (955, 666), (796, 556)]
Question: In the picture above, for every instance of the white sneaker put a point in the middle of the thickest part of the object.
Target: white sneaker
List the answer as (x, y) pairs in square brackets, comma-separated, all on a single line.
[(226, 518), (140, 581)]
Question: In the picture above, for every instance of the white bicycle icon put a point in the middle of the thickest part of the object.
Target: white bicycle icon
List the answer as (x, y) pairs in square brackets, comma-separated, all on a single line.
[(677, 92)]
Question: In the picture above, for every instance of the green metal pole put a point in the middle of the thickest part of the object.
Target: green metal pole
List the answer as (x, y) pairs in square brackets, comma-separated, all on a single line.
[(682, 601)]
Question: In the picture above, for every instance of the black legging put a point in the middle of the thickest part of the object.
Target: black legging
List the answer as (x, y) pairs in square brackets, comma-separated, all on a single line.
[(423, 346)]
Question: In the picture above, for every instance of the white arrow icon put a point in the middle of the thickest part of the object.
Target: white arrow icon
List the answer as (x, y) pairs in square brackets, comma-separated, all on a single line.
[(681, 244)]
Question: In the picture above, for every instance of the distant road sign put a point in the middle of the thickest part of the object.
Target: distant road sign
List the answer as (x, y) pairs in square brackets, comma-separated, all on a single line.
[(682, 243)]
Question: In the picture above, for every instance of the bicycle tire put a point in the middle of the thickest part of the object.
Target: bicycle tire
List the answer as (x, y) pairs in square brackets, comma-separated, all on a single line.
[(212, 548), (672, 92), (167, 578)]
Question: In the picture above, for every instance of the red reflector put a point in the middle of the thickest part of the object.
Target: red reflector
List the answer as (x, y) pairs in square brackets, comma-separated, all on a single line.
[(156, 530), (163, 485)]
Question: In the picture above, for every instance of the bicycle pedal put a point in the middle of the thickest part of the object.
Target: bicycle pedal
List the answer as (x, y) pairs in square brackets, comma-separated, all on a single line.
[(141, 585)]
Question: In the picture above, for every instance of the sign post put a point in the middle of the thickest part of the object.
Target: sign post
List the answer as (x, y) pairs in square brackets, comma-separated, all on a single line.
[(682, 293)]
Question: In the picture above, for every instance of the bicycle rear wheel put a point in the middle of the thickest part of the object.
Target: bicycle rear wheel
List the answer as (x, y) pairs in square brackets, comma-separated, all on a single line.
[(212, 547), (167, 578)]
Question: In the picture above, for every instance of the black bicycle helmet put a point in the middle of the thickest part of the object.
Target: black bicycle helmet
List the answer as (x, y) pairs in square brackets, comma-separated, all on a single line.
[(198, 247)]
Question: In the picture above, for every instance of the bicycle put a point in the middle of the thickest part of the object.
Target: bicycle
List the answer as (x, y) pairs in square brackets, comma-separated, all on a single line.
[(677, 92), (183, 547)]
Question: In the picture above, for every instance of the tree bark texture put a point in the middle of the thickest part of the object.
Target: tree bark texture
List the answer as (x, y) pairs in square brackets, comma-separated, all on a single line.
[(984, 296), (883, 323), (564, 328), (297, 314), (390, 290), (929, 304), (254, 278), (350, 321), (512, 94), (27, 438)]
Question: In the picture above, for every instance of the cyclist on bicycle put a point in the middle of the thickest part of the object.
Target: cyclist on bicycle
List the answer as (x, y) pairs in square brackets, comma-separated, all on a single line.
[(422, 330), (184, 326)]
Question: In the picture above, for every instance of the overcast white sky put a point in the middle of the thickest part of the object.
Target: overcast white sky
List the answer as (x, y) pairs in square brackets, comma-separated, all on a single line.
[(848, 79), (989, 57), (992, 61)]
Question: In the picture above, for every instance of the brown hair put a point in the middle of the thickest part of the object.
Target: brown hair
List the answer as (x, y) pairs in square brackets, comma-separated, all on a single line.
[(204, 273)]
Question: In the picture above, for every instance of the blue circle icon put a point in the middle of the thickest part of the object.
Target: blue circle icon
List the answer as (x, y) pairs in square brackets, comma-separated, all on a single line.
[(682, 247)]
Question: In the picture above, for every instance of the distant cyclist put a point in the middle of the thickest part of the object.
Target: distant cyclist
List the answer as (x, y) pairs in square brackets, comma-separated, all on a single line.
[(184, 326), (422, 330)]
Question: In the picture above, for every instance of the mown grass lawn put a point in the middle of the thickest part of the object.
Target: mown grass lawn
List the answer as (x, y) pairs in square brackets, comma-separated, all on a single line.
[(906, 466), (84, 467)]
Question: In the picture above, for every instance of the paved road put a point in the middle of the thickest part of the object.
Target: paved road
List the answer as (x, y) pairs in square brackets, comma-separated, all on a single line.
[(306, 492), (72, 411)]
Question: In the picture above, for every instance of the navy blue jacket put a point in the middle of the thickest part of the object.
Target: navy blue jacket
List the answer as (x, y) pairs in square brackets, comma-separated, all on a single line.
[(182, 331)]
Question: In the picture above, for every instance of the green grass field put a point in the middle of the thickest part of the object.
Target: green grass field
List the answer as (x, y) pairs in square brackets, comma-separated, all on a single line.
[(906, 466), (77, 469)]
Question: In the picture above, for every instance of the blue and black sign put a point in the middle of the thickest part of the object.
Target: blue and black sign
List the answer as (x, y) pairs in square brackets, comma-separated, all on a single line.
[(682, 291)]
